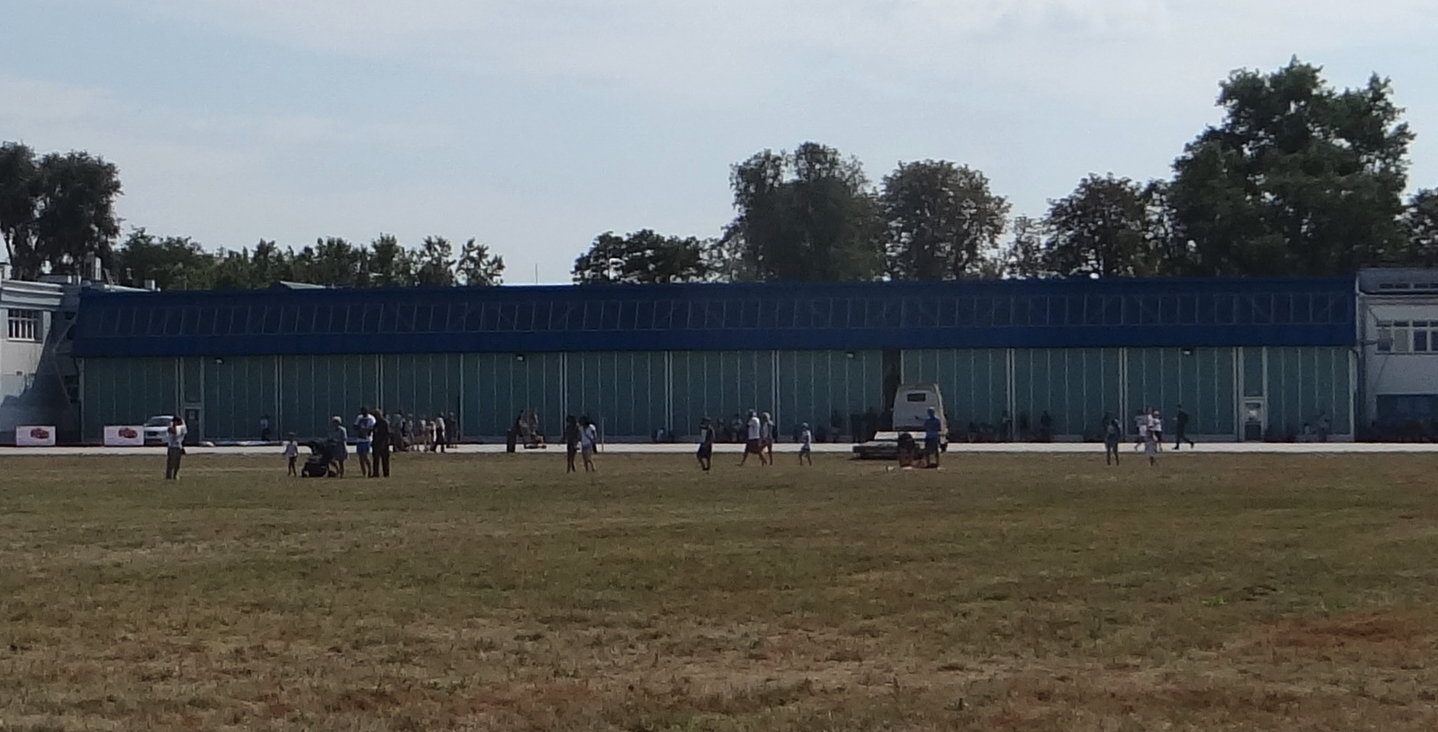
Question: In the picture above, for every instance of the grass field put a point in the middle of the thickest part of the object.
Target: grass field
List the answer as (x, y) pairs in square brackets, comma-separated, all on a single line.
[(1003, 593)]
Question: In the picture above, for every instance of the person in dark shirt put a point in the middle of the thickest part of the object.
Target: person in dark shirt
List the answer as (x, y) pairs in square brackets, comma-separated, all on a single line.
[(933, 427), (705, 454), (380, 445), (571, 443), (1180, 424)]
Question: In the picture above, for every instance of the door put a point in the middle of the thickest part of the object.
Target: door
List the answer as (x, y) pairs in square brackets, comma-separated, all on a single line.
[(1255, 419)]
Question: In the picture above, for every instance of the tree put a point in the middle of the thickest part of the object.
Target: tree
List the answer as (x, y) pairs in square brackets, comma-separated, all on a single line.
[(478, 267), (1298, 179), (75, 210), (643, 257), (434, 263), (332, 262), (1023, 257), (804, 216), (1102, 229), (18, 174), (942, 222), (1420, 231), (390, 263), (174, 263)]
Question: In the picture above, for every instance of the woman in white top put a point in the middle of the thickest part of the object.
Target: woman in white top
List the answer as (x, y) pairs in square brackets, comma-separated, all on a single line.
[(588, 439)]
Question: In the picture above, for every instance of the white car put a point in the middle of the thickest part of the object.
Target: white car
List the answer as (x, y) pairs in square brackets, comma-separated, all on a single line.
[(155, 429)]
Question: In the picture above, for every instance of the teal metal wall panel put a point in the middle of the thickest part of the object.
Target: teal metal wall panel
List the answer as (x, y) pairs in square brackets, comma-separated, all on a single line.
[(498, 386), (1200, 379), (974, 382), (816, 385), (239, 391), (420, 385), (622, 392), (126, 391), (1075, 386), (720, 384), (1305, 384)]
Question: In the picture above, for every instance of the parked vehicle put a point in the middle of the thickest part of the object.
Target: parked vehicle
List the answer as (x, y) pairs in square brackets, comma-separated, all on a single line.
[(155, 429), (911, 407)]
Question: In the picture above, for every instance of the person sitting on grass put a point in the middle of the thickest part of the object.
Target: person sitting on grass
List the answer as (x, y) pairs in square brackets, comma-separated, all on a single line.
[(908, 450)]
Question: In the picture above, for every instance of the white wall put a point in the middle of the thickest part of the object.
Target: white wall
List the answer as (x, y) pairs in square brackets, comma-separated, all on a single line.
[(1396, 372)]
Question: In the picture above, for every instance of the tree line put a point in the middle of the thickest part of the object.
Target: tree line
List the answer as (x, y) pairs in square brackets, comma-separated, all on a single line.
[(1298, 178)]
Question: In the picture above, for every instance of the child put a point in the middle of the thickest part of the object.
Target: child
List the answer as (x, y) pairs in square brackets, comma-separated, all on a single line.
[(806, 448), (706, 444), (1150, 447), (292, 452)]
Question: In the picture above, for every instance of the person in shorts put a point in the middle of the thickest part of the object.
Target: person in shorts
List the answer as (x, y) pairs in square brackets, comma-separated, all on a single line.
[(364, 435), (754, 444), (766, 435), (338, 445), (705, 453), (1155, 426)]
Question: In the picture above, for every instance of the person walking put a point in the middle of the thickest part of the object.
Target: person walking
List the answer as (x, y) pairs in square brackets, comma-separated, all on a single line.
[(1180, 427), (766, 435), (572, 439), (806, 445), (174, 447), (705, 454), (1150, 446), (1155, 426), (754, 445), (380, 443), (1112, 434)]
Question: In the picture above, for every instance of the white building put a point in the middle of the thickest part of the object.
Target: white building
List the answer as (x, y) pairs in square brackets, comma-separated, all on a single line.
[(1398, 335), (30, 393)]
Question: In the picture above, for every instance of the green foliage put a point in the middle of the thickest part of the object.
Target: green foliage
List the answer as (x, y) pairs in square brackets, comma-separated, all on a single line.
[(58, 213), (643, 257), (477, 267), (804, 216), (174, 263), (1299, 179), (941, 221), (1105, 228), (1420, 230)]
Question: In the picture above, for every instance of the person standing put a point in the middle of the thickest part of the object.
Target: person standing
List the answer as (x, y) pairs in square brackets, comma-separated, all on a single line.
[(766, 435), (571, 442), (380, 443), (1150, 446), (588, 443), (265, 428), (806, 445), (364, 430), (174, 447), (933, 426), (441, 437), (1155, 426), (705, 454), (339, 445), (292, 454), (1180, 426), (1112, 434), (754, 444), (451, 429), (1140, 428)]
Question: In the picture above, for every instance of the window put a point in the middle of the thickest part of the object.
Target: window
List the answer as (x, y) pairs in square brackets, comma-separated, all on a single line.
[(1385, 336), (24, 325), (1421, 339)]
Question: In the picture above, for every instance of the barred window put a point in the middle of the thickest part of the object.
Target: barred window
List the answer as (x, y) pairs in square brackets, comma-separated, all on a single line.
[(24, 325)]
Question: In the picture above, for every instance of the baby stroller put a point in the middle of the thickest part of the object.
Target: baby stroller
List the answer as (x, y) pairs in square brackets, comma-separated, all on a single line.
[(320, 463)]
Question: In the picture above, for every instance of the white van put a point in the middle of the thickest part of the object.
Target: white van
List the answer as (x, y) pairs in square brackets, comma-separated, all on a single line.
[(911, 407)]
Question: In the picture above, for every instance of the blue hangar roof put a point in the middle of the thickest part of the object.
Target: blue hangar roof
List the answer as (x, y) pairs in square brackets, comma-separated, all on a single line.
[(843, 316)]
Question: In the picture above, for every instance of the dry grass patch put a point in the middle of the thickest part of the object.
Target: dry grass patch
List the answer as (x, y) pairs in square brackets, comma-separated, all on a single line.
[(1042, 592)]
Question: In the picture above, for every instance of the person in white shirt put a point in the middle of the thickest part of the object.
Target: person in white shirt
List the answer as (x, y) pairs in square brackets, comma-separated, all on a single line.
[(364, 437), (1140, 427), (1155, 426), (754, 445), (292, 453), (806, 445), (174, 447), (588, 443), (766, 435)]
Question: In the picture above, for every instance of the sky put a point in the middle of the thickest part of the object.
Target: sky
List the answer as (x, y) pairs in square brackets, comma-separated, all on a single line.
[(536, 125)]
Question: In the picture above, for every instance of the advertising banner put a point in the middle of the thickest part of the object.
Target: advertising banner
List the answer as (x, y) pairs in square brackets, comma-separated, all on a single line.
[(35, 436), (124, 435)]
